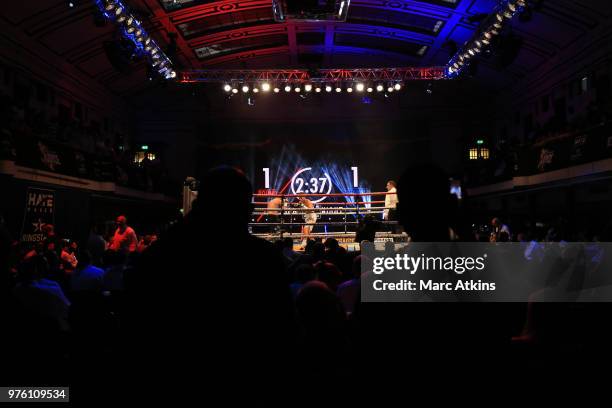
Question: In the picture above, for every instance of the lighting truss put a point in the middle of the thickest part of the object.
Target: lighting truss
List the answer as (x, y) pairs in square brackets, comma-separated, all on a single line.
[(491, 27), (299, 76), (131, 29)]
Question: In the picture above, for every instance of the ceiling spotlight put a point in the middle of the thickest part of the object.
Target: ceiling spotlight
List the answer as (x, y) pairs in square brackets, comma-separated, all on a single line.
[(308, 87), (109, 6), (390, 89), (234, 90), (276, 90), (512, 7), (121, 19), (397, 87), (349, 89), (379, 88), (171, 74), (287, 88), (129, 21), (227, 88), (245, 89), (255, 90), (338, 89), (118, 11), (265, 87), (359, 87), (499, 17), (328, 88), (471, 52), (318, 89), (369, 89), (297, 89)]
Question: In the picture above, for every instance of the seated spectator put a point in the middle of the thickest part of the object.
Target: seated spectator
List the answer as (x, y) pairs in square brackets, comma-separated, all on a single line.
[(86, 277), (304, 273), (288, 251), (321, 320), (39, 295), (68, 258), (348, 292)]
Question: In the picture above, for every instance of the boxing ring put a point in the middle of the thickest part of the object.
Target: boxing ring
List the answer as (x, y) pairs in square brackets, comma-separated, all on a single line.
[(339, 220)]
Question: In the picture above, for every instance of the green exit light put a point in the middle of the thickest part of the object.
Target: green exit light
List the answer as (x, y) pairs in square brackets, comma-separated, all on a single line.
[(145, 147), (479, 141)]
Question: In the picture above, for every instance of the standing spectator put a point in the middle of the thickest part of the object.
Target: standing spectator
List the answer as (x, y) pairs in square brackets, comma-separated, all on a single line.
[(500, 231), (96, 245), (125, 239)]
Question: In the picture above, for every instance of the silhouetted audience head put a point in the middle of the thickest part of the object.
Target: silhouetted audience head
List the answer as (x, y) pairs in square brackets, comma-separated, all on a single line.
[(426, 209), (319, 310), (224, 199), (304, 273), (329, 274), (331, 244)]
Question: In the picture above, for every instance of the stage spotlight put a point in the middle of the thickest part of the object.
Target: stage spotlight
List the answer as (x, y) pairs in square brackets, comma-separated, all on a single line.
[(227, 88), (349, 89), (338, 89), (360, 87), (276, 90), (318, 89), (245, 89), (370, 89), (265, 87), (287, 88), (118, 11), (379, 88), (255, 90), (234, 90), (308, 87), (109, 6), (397, 87), (328, 88), (390, 89), (297, 89)]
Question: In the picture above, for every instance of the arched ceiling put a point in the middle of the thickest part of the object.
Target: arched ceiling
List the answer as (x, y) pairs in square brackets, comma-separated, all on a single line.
[(243, 34)]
